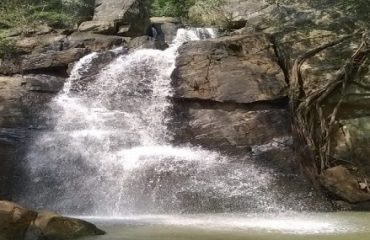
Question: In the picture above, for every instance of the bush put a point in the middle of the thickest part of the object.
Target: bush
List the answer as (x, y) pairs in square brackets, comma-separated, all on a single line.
[(211, 13), (199, 12), (354, 8), (25, 14), (7, 47), (171, 8)]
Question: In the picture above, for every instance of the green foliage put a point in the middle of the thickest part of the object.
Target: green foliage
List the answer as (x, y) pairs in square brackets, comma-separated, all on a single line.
[(6, 47), (357, 8), (171, 8), (199, 12), (211, 13), (25, 14), (353, 8)]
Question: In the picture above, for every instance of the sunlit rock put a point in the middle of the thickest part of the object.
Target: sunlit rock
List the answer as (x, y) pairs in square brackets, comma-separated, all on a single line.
[(18, 223)]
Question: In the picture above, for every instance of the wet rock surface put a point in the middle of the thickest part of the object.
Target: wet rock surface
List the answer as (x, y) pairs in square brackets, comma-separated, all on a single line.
[(19, 223)]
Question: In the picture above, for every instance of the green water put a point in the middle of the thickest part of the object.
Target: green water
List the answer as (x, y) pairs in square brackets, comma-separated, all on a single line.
[(321, 226)]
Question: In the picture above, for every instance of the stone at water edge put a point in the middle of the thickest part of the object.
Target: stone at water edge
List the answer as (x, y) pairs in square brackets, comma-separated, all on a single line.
[(341, 182), (54, 227), (18, 223), (14, 220)]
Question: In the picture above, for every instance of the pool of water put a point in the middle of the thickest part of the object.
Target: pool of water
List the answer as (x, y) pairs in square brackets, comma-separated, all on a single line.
[(318, 226)]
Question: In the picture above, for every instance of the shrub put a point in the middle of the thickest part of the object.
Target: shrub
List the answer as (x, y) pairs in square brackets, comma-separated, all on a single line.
[(25, 14), (211, 12), (6, 47), (171, 8)]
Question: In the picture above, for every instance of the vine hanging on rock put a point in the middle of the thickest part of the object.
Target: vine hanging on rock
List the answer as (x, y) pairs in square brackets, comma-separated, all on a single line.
[(312, 126)]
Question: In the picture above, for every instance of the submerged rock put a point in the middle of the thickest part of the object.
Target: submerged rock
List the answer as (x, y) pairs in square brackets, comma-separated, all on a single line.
[(18, 223)]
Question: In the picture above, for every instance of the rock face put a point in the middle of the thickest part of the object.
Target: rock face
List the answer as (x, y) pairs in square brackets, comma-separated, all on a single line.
[(225, 82), (165, 28), (14, 220), (22, 99), (230, 95), (54, 51), (295, 30), (129, 18), (231, 126), (237, 69), (18, 223), (53, 226)]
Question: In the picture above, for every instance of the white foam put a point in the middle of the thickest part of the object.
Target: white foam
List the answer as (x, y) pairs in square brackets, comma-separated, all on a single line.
[(309, 224)]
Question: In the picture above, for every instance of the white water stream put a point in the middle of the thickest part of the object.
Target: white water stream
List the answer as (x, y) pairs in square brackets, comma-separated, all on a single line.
[(110, 152)]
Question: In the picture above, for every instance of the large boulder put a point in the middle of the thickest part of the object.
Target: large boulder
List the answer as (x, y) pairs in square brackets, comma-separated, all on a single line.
[(231, 93), (240, 69), (55, 227), (165, 28), (19, 223), (231, 14), (345, 185), (231, 126), (14, 221), (100, 27), (129, 18)]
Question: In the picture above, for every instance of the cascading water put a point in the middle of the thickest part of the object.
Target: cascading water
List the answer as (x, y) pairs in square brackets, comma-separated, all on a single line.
[(110, 150)]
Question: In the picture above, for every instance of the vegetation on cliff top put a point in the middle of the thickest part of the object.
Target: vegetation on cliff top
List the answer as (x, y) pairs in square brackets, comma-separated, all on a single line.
[(197, 12), (171, 8), (26, 14), (23, 16)]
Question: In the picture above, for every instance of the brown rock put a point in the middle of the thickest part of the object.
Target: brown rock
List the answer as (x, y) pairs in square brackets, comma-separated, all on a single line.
[(238, 127), (94, 42), (239, 69), (130, 17), (45, 60), (18, 223), (42, 43), (14, 220), (54, 227), (102, 27), (343, 184)]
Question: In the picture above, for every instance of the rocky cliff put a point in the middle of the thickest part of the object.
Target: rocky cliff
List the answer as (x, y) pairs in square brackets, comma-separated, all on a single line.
[(314, 54), (237, 93), (30, 78), (323, 52)]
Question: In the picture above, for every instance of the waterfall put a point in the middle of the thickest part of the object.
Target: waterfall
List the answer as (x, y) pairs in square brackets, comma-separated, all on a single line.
[(110, 153)]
